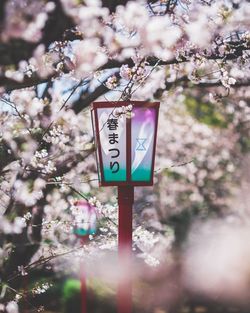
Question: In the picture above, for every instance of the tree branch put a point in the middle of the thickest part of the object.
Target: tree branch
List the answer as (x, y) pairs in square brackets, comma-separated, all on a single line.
[(10, 84), (186, 83), (85, 100), (15, 50)]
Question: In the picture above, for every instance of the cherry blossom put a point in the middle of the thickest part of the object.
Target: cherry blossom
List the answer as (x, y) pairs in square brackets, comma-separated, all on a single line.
[(56, 58)]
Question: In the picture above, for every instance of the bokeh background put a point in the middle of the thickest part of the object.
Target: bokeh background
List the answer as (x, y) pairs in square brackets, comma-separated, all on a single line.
[(191, 231)]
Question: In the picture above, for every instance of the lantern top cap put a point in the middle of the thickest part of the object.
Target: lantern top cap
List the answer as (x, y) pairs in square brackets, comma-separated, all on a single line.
[(110, 104)]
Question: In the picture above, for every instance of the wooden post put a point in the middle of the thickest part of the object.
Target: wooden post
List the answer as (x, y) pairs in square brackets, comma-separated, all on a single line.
[(84, 240), (125, 203), (83, 292)]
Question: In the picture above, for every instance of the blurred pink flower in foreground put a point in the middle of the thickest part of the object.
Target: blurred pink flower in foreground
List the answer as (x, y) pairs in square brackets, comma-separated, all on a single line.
[(217, 260)]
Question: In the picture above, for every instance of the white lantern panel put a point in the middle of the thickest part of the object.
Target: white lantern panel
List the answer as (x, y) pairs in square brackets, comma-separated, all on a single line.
[(112, 134)]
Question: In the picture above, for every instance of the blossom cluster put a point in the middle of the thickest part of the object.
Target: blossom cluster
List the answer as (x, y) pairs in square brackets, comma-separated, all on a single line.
[(140, 51)]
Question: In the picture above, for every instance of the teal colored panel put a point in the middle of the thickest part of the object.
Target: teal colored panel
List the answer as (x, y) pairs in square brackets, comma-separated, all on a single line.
[(119, 176), (84, 232), (141, 174)]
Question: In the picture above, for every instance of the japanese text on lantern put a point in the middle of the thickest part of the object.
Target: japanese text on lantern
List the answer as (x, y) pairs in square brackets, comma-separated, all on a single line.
[(112, 125)]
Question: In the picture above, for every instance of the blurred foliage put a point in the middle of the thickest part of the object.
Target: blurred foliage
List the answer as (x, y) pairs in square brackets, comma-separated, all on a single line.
[(72, 296), (100, 298), (205, 112), (245, 144)]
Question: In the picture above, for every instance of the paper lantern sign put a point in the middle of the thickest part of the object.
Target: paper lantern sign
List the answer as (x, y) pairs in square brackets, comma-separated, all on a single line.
[(84, 218), (125, 136)]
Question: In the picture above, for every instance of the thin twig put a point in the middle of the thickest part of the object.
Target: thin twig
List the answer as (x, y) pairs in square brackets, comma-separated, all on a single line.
[(174, 165)]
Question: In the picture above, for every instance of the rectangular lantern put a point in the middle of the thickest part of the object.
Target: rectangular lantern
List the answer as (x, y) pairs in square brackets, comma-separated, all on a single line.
[(125, 136)]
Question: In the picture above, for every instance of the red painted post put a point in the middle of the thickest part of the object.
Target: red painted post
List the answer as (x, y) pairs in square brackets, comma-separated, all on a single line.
[(84, 240), (125, 203), (83, 292)]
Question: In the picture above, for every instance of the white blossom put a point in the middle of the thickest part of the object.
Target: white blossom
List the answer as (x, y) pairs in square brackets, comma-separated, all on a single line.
[(12, 307)]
